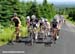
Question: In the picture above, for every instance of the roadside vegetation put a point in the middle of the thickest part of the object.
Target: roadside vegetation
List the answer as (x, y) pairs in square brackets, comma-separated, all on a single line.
[(23, 9)]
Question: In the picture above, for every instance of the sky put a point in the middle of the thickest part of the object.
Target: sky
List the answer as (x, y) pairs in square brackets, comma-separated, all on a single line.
[(54, 1)]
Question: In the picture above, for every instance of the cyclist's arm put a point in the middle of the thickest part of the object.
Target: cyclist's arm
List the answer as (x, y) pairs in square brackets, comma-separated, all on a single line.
[(58, 25), (19, 21), (11, 21), (50, 24)]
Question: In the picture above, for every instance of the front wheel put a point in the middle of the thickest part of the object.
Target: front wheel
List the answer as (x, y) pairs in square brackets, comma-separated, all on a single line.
[(54, 34)]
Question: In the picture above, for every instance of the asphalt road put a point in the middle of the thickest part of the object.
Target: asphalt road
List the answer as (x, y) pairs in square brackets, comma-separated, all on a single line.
[(64, 45)]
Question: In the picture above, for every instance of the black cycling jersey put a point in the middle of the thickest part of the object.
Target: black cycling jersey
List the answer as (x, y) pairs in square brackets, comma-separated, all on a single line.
[(16, 22), (33, 23), (54, 24), (31, 20), (41, 23), (36, 20)]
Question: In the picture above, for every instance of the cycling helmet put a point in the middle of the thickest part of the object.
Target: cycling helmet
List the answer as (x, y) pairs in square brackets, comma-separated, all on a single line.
[(28, 17), (15, 14), (33, 16)]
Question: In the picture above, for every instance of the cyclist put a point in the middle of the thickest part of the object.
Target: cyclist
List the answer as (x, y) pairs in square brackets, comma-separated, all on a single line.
[(34, 25), (17, 23), (47, 27), (47, 24), (54, 28), (28, 21), (41, 22), (62, 19), (59, 20)]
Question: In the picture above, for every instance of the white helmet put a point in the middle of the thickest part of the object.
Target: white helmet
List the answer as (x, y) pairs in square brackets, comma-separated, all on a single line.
[(28, 17), (43, 20), (33, 16)]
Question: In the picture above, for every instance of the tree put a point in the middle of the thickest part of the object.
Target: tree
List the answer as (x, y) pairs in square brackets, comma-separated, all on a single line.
[(47, 10), (8, 7), (33, 9), (44, 2)]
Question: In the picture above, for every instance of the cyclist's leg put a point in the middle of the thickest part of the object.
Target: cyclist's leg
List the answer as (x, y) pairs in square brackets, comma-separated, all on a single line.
[(28, 32), (58, 29), (35, 33), (46, 31), (54, 34), (17, 32)]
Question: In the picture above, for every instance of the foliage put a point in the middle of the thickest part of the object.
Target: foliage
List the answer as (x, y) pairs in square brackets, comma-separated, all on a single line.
[(70, 12), (8, 7)]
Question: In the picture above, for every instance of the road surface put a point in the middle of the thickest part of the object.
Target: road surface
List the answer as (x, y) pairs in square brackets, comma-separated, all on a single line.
[(65, 45)]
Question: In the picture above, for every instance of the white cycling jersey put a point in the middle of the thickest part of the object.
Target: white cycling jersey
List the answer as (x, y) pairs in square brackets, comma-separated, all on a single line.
[(57, 17), (47, 25)]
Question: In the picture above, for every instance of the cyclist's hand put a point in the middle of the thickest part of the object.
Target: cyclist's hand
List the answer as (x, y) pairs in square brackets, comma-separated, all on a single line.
[(19, 25)]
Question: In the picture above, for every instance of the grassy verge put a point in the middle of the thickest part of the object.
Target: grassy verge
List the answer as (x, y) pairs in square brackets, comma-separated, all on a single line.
[(7, 34), (69, 20), (2, 43)]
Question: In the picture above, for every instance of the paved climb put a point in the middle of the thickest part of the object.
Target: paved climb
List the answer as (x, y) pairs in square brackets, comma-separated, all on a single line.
[(65, 45)]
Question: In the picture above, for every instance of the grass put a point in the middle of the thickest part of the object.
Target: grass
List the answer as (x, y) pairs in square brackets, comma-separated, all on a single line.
[(2, 43), (69, 20), (7, 34)]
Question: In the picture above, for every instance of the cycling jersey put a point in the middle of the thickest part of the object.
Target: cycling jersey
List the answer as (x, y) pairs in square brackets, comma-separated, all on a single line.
[(41, 23), (28, 23), (16, 21), (54, 24), (33, 23)]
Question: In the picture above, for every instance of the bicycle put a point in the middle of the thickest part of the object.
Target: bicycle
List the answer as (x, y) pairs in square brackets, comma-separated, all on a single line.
[(32, 34), (41, 33), (15, 37), (48, 39), (54, 32)]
